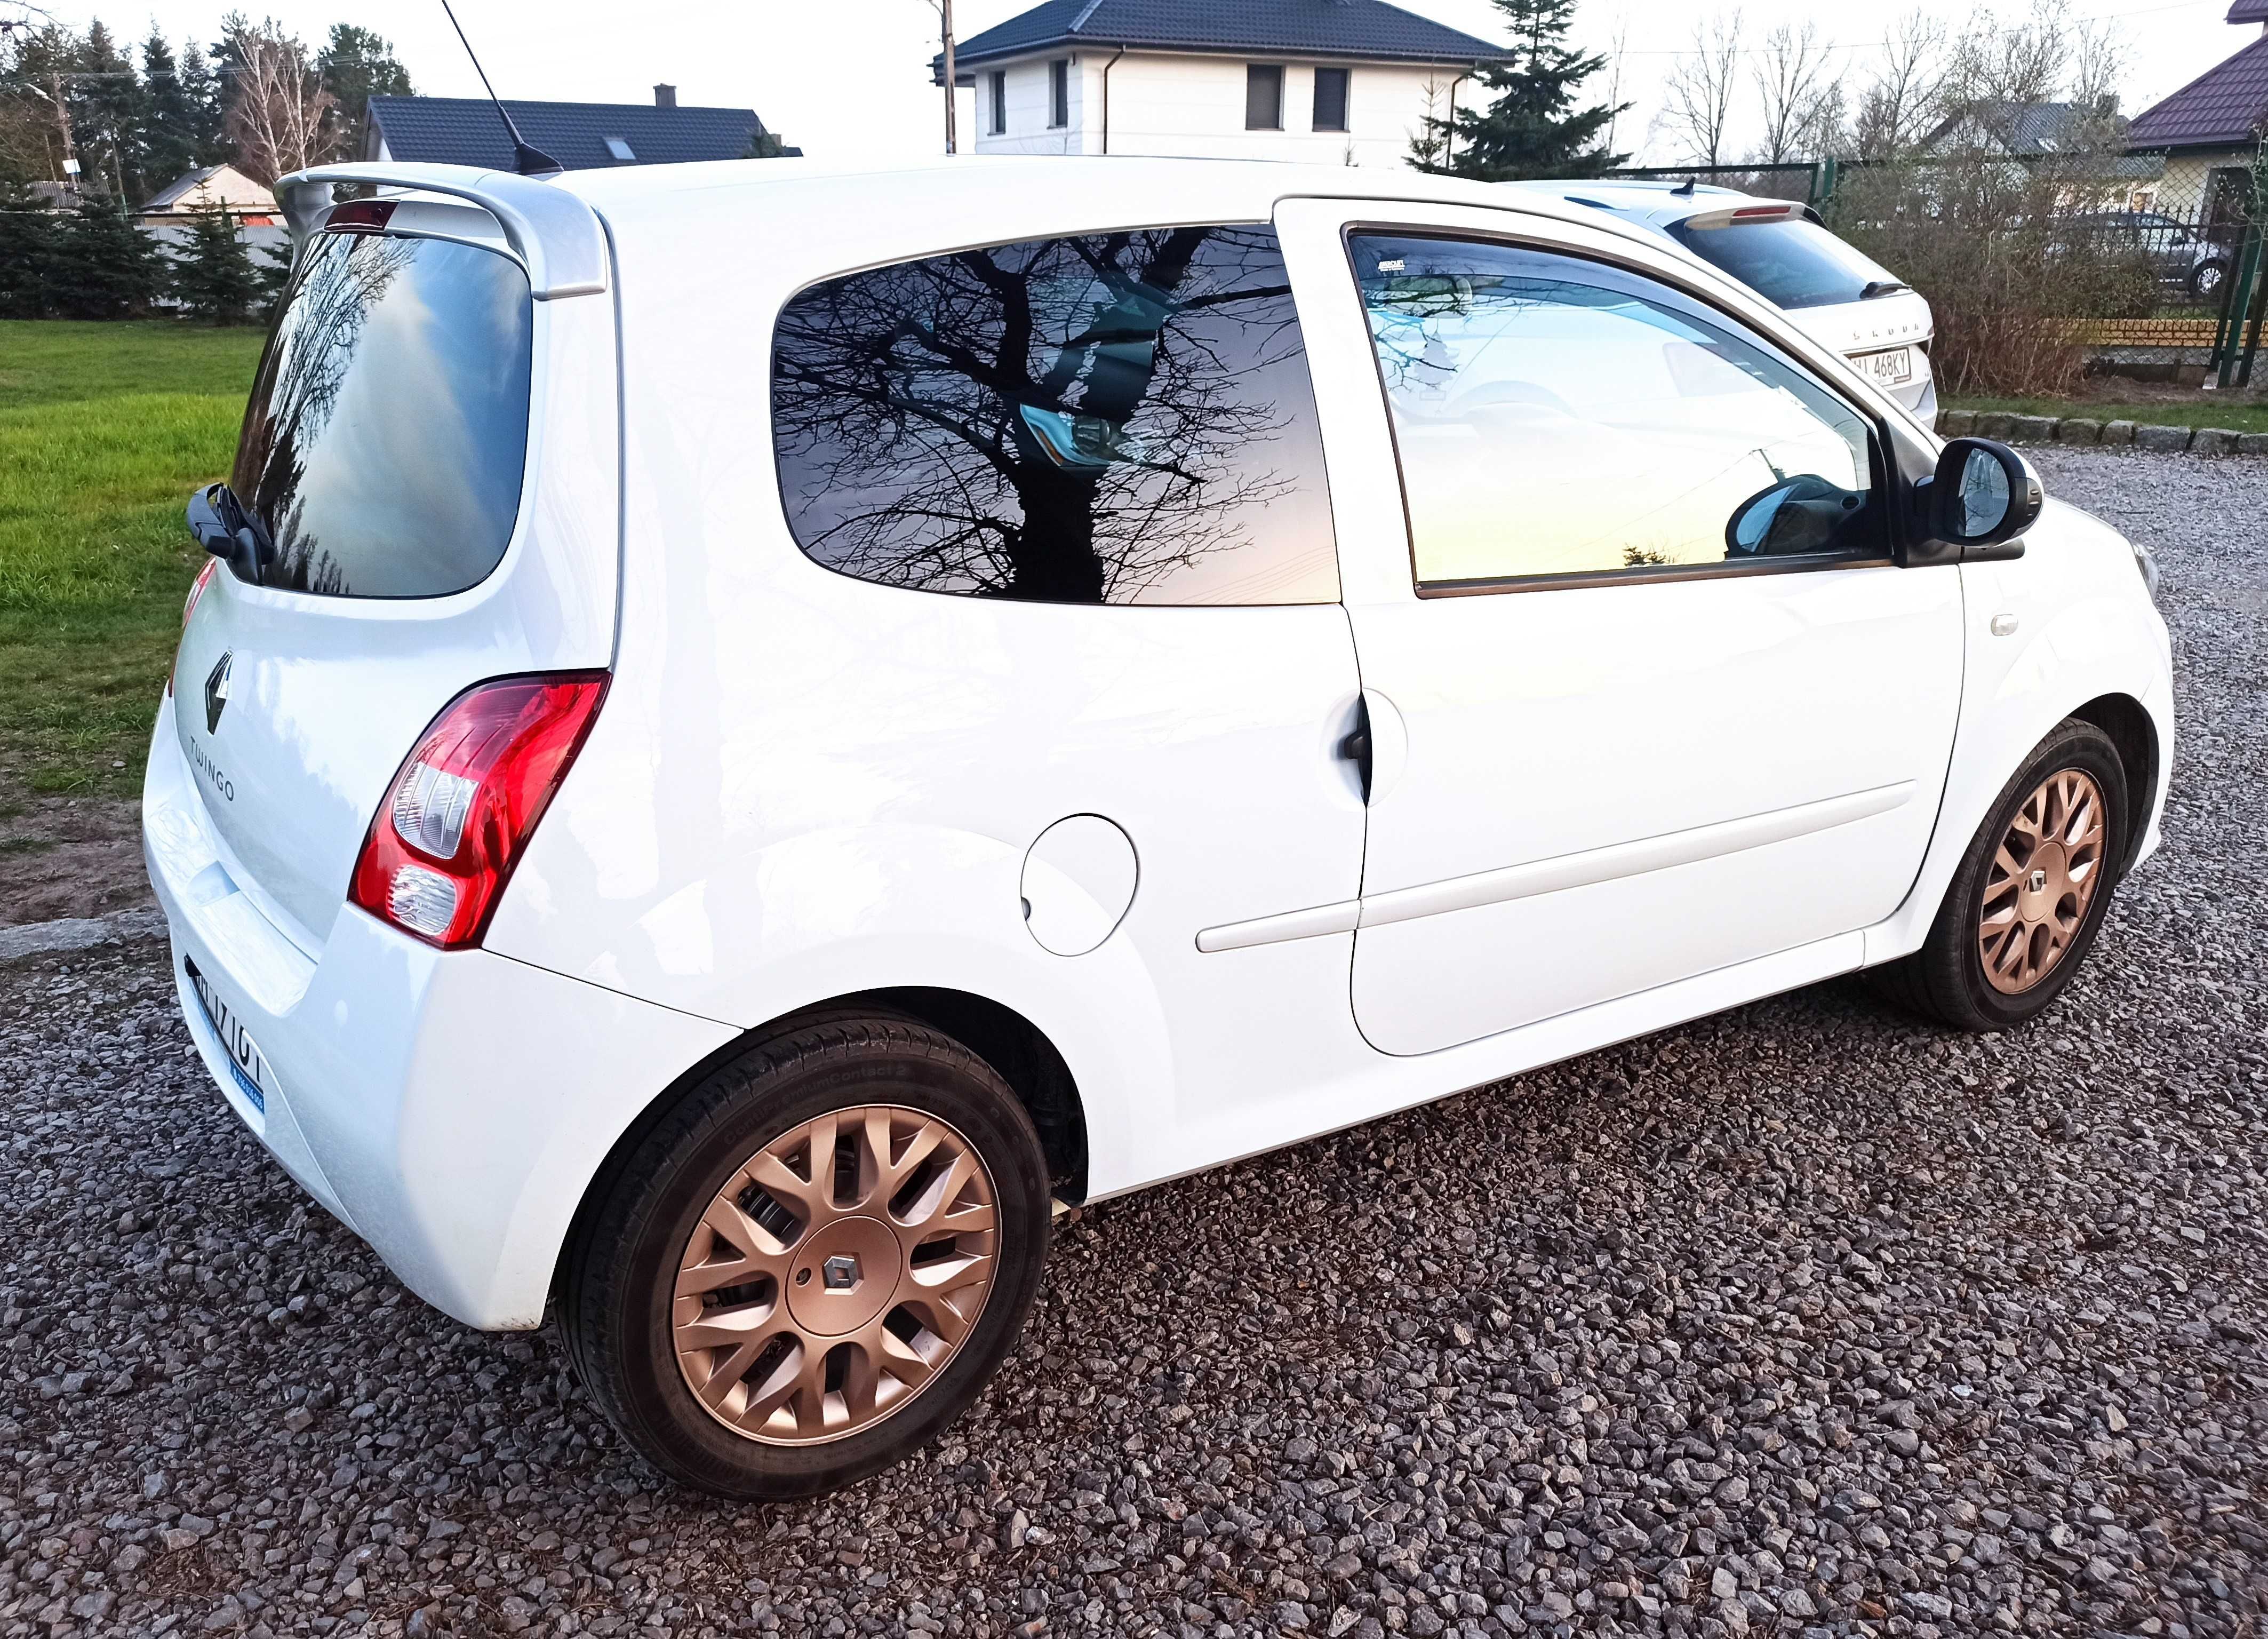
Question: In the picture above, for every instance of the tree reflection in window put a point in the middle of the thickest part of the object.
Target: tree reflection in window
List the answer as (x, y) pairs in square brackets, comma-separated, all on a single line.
[(385, 443), (1116, 419)]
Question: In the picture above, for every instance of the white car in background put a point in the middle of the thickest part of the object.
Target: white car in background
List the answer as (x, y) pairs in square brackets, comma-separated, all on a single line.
[(1779, 248), (751, 727)]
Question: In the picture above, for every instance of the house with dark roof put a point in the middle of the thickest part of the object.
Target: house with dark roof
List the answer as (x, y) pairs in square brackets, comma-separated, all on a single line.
[(2211, 129), (581, 135), (2106, 178), (1329, 81), (210, 187)]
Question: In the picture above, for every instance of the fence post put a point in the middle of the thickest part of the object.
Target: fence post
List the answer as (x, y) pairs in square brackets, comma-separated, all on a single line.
[(2235, 304), (2251, 335), (1824, 179)]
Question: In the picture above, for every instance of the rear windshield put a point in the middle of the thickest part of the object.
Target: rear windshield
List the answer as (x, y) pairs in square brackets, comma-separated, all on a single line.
[(1790, 261), (384, 441)]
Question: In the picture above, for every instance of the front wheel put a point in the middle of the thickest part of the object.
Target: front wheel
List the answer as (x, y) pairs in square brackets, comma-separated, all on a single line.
[(813, 1262), (2205, 281), (2022, 911)]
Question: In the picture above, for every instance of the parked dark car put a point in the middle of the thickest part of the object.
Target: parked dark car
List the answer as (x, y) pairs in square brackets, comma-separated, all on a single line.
[(2177, 252)]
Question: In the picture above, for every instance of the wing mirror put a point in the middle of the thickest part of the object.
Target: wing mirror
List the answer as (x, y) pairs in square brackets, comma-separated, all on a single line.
[(1982, 500)]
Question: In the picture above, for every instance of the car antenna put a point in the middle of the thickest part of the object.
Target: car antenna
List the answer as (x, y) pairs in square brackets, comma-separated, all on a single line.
[(525, 160), (1683, 190)]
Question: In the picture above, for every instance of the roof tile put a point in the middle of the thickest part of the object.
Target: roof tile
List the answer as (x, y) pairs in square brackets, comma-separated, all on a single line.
[(1329, 28), (2225, 105)]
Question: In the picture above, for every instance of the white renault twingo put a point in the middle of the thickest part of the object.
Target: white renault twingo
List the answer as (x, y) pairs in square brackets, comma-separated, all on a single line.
[(749, 729)]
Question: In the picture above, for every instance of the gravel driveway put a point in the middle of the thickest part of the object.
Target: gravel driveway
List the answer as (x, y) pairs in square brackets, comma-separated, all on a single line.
[(1805, 1317)]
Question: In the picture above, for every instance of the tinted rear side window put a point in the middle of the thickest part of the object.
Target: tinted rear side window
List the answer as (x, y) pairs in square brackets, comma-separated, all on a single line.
[(1116, 419), (1790, 261), (385, 442)]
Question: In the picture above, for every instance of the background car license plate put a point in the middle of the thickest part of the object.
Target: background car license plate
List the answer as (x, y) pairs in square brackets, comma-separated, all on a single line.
[(245, 1064), (1893, 368)]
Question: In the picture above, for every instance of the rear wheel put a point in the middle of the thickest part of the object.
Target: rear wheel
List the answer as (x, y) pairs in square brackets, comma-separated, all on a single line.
[(2022, 911), (2205, 280), (813, 1262)]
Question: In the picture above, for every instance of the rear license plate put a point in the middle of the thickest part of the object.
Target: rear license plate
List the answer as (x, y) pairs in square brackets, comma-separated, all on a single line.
[(244, 1064), (1893, 368)]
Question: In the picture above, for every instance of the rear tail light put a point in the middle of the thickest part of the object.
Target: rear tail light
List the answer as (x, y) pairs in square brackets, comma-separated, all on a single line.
[(458, 816), (196, 591)]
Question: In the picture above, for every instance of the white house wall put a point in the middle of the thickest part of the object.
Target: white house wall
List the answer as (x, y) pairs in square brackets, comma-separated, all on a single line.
[(1193, 105)]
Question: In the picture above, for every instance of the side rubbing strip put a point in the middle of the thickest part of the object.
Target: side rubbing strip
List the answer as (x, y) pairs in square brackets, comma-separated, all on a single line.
[(1568, 870), (1268, 930)]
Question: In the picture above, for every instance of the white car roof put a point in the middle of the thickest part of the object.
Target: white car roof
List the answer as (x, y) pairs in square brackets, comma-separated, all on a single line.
[(1657, 203), (995, 199)]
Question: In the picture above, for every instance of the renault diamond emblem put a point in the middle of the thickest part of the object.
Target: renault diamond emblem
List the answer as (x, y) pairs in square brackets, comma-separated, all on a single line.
[(217, 693)]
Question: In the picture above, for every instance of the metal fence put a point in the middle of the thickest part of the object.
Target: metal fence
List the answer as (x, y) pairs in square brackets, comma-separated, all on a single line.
[(2191, 230)]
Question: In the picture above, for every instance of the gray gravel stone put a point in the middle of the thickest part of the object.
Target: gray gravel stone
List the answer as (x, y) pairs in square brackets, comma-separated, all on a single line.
[(2215, 441), (1633, 1344), (2162, 438), (2252, 443), (2032, 429), (2079, 430), (2117, 432), (1956, 424), (1995, 423)]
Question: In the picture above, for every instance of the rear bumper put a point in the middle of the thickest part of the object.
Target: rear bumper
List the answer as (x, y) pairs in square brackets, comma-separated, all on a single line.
[(450, 1108)]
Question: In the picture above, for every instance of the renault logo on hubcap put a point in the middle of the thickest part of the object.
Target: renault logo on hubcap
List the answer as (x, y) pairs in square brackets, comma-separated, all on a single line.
[(217, 693), (2036, 881), (840, 1272)]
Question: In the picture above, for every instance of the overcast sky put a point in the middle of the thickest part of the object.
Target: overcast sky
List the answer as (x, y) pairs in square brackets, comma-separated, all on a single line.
[(847, 78)]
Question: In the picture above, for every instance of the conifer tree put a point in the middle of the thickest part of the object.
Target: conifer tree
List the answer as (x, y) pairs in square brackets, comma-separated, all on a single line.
[(27, 251), (353, 66), (105, 267), (207, 101), (169, 115), (213, 275), (1532, 126)]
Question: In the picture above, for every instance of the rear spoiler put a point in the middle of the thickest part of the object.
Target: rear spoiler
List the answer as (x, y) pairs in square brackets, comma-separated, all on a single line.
[(555, 235)]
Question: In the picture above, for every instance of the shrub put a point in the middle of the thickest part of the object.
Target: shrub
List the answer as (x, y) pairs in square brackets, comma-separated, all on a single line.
[(2002, 251)]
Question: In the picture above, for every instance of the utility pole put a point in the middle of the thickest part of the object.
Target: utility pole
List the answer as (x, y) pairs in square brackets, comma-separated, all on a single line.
[(944, 21)]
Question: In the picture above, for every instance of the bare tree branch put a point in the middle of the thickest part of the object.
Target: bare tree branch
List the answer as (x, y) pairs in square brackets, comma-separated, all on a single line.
[(1700, 88)]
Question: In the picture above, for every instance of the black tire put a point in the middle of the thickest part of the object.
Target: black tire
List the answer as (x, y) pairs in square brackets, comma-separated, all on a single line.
[(2206, 277), (616, 1298), (1945, 980)]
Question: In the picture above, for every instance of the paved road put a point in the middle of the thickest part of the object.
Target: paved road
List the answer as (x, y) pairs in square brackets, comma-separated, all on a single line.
[(1806, 1317)]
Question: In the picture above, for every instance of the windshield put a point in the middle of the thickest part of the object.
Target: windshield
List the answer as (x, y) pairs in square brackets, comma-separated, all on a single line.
[(1790, 261), (384, 441)]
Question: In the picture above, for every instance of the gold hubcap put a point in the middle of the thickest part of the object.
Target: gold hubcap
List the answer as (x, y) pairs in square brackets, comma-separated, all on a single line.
[(834, 1274), (2042, 878)]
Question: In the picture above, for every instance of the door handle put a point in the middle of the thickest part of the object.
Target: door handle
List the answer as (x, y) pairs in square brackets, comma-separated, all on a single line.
[(1355, 747), (1378, 745)]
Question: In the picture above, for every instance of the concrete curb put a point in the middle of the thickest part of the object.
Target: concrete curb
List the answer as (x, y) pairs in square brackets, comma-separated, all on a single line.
[(1993, 424), (80, 932)]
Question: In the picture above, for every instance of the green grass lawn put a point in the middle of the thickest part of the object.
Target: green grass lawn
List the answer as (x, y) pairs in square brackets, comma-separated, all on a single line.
[(104, 431), (2240, 413)]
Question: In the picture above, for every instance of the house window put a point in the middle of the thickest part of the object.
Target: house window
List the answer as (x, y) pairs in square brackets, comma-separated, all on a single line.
[(1263, 96), (1059, 93), (997, 85), (1330, 99), (620, 150)]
